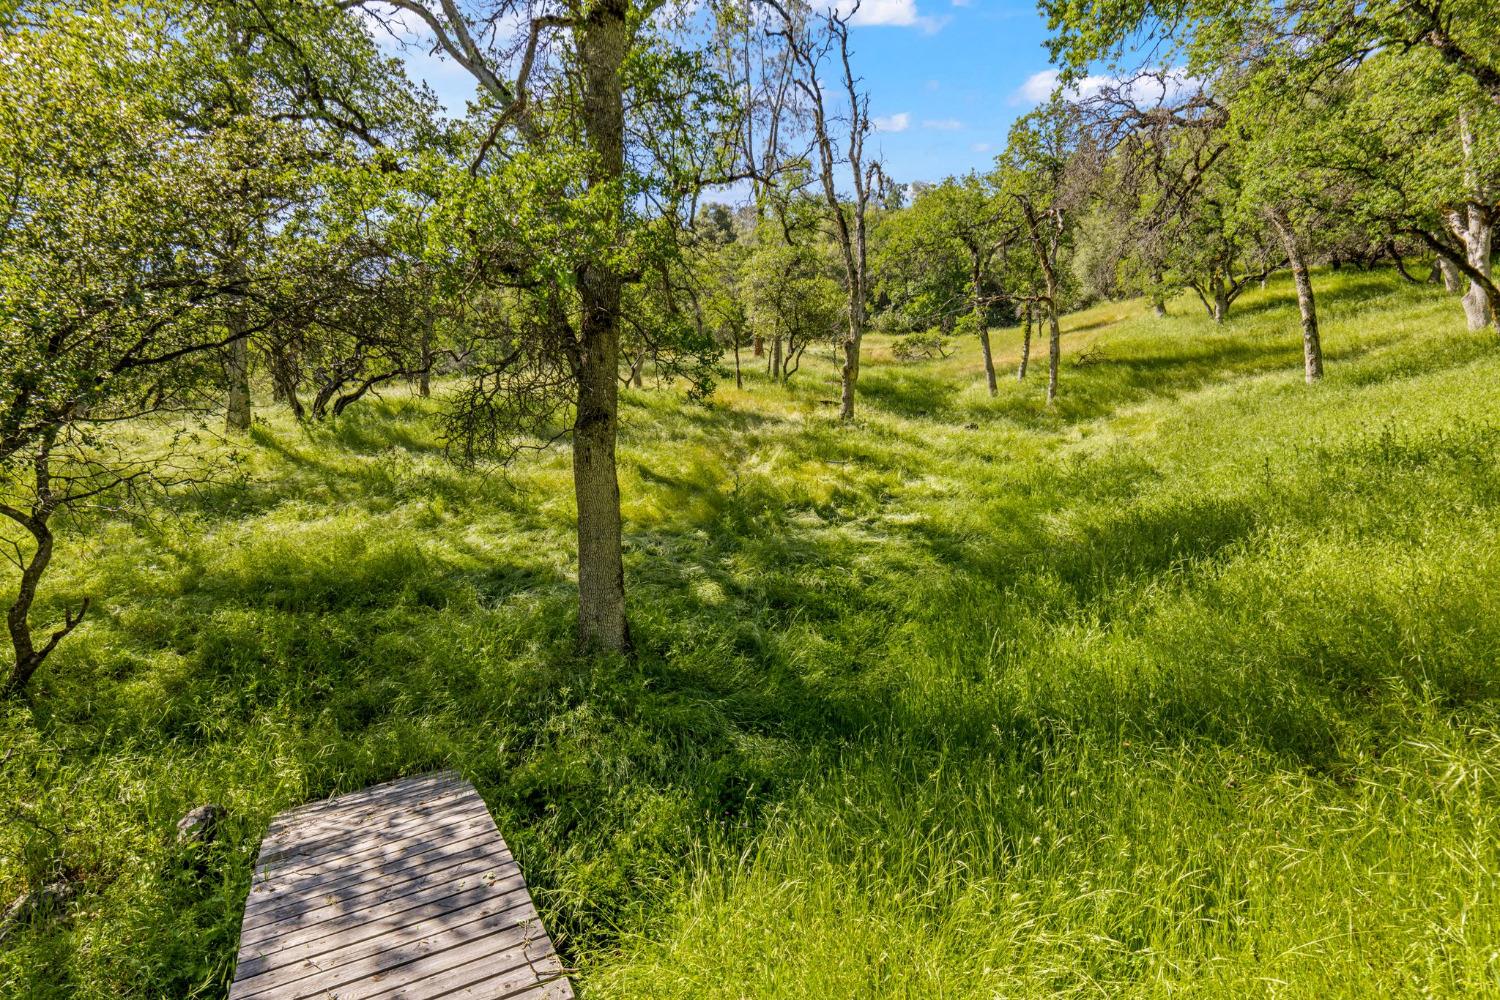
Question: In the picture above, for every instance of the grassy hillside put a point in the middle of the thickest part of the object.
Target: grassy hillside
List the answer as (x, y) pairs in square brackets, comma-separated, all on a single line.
[(1186, 687)]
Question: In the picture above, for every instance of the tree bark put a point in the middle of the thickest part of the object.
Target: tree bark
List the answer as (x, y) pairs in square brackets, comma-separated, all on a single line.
[(1451, 282), (424, 380), (27, 657), (1312, 345), (1478, 235), (1158, 301), (1025, 345), (602, 44), (849, 371), (989, 359), (237, 414), (1220, 309), (1054, 350), (984, 331), (1478, 246)]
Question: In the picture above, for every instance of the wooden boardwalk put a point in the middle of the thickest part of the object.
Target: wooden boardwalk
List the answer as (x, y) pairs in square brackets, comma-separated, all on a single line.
[(403, 890)]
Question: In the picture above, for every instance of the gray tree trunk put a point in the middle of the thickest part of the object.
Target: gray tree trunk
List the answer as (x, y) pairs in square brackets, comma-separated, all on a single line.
[(1478, 247), (1312, 345), (849, 370), (602, 43), (1478, 235), (984, 336), (1025, 345), (989, 358), (1054, 350), (1220, 309), (1451, 280)]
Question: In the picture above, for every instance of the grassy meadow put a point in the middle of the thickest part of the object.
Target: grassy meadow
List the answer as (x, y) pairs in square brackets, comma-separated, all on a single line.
[(1187, 686)]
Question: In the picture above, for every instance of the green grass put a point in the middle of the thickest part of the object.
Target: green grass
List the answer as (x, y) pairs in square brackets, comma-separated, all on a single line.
[(1187, 686)]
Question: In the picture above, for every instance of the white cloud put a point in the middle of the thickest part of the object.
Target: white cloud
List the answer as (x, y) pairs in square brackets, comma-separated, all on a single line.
[(890, 13), (982, 147), (898, 122), (943, 124), (1039, 87)]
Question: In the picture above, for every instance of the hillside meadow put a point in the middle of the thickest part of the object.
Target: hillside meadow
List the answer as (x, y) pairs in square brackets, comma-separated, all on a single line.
[(1186, 686)]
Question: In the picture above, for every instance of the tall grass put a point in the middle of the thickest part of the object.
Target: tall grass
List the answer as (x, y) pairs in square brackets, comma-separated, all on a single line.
[(1185, 686)]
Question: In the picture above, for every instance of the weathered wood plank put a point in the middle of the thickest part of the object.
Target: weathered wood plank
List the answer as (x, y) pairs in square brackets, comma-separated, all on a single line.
[(356, 942), (276, 903), (433, 901), (401, 890), (311, 874), (347, 966), (316, 833)]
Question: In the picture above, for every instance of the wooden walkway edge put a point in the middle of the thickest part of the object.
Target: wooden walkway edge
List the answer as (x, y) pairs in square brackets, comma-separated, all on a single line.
[(401, 891)]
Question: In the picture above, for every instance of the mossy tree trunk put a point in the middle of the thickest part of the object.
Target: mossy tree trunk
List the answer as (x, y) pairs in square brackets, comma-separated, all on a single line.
[(603, 40)]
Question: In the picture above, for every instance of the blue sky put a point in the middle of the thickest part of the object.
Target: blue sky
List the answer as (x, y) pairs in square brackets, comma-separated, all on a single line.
[(946, 87), (946, 78)]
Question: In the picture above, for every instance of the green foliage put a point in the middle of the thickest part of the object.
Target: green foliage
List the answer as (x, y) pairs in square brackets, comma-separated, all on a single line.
[(921, 347), (1184, 685), (790, 294)]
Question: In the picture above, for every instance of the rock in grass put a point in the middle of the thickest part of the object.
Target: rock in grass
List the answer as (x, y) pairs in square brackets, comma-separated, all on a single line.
[(200, 825), (49, 898)]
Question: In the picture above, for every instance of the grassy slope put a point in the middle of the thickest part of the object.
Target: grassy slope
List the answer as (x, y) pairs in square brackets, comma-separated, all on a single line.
[(1188, 687)]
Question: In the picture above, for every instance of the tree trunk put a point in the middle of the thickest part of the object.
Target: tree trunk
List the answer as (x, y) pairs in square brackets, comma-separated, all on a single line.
[(1158, 300), (1478, 246), (849, 372), (237, 414), (424, 380), (27, 656), (1054, 350), (989, 359), (1312, 345), (1220, 310), (602, 43), (1478, 235), (1451, 281), (776, 357), (636, 379), (739, 378), (984, 331), (757, 346), (1025, 345)]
